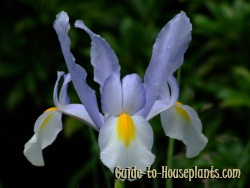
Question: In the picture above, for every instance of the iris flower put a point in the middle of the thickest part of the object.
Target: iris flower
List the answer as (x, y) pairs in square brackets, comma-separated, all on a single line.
[(125, 135), (49, 124)]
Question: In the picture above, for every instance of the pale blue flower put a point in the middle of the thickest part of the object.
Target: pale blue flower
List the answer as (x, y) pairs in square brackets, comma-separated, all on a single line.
[(179, 121), (49, 124), (125, 136)]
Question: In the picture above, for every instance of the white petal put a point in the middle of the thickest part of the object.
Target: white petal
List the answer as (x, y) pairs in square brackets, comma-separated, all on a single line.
[(182, 122), (115, 152), (112, 95), (133, 94), (103, 57), (51, 126), (47, 126), (79, 112), (33, 151)]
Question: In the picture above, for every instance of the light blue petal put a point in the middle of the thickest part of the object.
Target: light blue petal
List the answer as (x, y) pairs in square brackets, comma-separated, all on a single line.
[(164, 93), (168, 53), (112, 95), (133, 92), (79, 112), (77, 73), (169, 91), (103, 57), (55, 93), (158, 107), (64, 97), (165, 99)]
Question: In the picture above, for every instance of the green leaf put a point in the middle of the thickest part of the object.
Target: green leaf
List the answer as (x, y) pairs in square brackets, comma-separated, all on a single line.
[(7, 69), (71, 126)]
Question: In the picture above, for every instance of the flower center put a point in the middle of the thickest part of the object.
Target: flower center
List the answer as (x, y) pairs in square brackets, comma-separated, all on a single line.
[(125, 129)]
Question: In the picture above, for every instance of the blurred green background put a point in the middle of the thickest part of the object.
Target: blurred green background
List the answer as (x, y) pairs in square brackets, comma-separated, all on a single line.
[(215, 80)]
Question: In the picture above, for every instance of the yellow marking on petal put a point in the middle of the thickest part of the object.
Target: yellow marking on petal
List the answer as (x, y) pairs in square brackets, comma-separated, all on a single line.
[(51, 109), (45, 121), (178, 103), (126, 129), (182, 112)]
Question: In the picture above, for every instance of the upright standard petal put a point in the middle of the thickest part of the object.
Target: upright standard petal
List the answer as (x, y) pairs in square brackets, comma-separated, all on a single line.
[(133, 94), (77, 73), (126, 141), (182, 122), (112, 95), (47, 126), (103, 57), (168, 53)]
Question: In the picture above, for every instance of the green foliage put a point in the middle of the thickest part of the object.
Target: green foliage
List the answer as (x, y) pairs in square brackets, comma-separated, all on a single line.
[(119, 184), (225, 51)]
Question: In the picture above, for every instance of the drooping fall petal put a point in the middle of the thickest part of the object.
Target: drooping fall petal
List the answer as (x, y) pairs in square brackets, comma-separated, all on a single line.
[(126, 141), (46, 129), (182, 122)]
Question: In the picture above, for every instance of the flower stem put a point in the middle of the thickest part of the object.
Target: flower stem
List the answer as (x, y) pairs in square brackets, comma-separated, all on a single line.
[(170, 154), (96, 149), (119, 184), (169, 182)]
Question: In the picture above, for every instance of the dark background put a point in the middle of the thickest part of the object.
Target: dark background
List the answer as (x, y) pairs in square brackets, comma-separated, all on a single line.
[(215, 81)]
